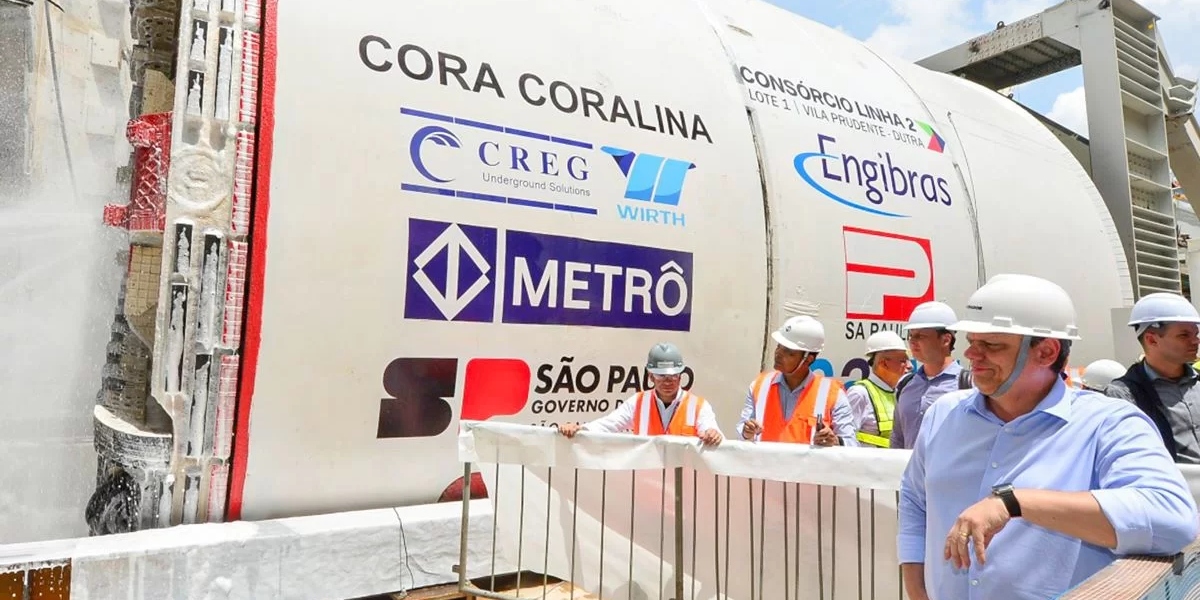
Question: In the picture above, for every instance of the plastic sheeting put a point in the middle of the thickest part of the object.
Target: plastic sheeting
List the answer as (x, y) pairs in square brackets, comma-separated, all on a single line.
[(759, 519), (340, 555)]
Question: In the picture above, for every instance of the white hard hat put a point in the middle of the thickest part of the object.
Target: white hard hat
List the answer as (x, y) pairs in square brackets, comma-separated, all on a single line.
[(931, 315), (1161, 307), (1100, 373), (884, 340), (1022, 305), (801, 333)]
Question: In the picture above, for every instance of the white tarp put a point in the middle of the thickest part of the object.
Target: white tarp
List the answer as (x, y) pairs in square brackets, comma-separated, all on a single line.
[(340, 555), (823, 541)]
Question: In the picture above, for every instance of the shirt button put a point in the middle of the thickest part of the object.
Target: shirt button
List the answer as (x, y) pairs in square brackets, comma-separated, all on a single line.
[(995, 465), (974, 582)]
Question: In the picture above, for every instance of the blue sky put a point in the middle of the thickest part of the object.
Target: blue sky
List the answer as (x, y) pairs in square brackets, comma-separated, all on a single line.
[(914, 29)]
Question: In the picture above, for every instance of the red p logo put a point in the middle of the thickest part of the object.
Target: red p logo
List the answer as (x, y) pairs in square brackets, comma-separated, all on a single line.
[(887, 274)]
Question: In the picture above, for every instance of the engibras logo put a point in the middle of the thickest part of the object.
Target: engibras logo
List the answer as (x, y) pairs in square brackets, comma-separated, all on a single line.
[(872, 184), (937, 143)]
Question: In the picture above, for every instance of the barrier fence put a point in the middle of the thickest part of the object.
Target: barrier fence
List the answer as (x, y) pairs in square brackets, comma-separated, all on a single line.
[(615, 515), (604, 514)]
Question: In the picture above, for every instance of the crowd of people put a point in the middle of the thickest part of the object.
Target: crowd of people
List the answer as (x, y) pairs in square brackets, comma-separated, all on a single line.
[(1020, 484)]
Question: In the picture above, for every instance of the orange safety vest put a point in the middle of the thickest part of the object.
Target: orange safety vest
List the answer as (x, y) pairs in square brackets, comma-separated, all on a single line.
[(1074, 377), (816, 399), (647, 421)]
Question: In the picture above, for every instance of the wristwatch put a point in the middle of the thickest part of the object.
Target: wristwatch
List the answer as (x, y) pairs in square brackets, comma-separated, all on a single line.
[(1005, 493)]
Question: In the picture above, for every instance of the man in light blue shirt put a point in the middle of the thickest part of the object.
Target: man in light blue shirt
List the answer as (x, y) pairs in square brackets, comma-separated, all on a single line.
[(931, 344), (1023, 488)]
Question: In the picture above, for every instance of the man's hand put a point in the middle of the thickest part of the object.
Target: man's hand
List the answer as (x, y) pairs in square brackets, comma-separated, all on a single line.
[(825, 435), (569, 429), (711, 437), (750, 429), (978, 524)]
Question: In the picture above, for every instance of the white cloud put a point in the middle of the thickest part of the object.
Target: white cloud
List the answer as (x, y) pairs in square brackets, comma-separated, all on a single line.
[(925, 27), (1070, 111)]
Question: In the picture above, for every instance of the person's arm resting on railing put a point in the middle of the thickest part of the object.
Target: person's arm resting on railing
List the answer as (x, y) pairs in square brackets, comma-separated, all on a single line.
[(1143, 504), (619, 420)]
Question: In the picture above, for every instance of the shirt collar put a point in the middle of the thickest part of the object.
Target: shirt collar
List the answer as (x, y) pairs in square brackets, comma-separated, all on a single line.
[(783, 382), (1189, 373), (1057, 403), (951, 370), (674, 401), (873, 378)]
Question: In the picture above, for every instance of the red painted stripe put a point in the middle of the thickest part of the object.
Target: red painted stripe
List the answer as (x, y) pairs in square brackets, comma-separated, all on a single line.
[(878, 270), (252, 334)]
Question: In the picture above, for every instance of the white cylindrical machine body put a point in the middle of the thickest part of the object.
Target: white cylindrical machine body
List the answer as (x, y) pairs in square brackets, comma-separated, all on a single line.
[(483, 209)]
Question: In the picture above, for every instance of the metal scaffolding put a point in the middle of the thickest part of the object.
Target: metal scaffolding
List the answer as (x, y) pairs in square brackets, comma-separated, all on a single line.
[(1140, 114)]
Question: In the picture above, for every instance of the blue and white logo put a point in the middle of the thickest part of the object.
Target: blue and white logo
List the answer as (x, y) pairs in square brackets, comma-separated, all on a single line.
[(466, 159), (438, 135), (451, 272), (651, 178), (870, 184), (455, 271), (486, 162)]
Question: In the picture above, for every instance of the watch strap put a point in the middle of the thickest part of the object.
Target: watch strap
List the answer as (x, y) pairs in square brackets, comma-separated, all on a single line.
[(1006, 495)]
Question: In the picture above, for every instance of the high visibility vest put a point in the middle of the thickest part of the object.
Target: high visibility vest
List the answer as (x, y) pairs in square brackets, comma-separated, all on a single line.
[(884, 403), (816, 399), (1074, 377), (647, 421)]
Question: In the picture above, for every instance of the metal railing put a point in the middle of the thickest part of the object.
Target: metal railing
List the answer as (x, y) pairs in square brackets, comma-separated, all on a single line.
[(633, 517), (620, 516), (622, 508)]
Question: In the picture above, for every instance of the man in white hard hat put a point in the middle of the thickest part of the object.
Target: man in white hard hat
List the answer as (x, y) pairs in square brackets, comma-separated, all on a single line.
[(1099, 373), (1022, 488), (931, 343), (871, 398), (1163, 383), (792, 403), (664, 409)]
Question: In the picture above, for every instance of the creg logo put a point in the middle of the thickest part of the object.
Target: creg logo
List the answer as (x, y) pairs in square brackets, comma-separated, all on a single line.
[(455, 272), (493, 163), (438, 135), (867, 184), (651, 178), (419, 389), (468, 159), (887, 274)]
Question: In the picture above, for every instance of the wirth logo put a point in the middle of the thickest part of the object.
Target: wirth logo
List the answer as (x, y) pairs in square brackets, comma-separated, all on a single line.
[(651, 178), (420, 389), (937, 143), (866, 183), (887, 274), (456, 272)]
